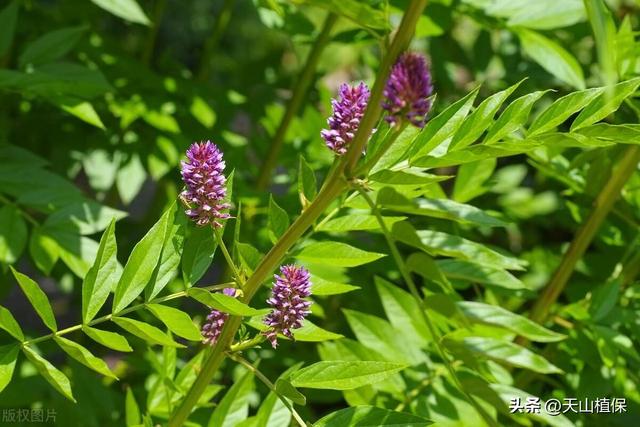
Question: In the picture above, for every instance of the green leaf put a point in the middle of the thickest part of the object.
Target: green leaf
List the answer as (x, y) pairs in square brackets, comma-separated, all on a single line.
[(379, 335), (604, 31), (234, 406), (541, 15), (503, 351), (388, 198), (605, 104), (177, 321), (202, 112), (552, 57), (403, 311), (370, 416), (443, 126), (51, 46), (513, 117), (309, 332), (494, 315), (480, 119), (199, 249), (102, 277), (286, 389), (339, 375), (562, 109), (84, 217), (84, 356), (471, 179), (307, 185), (13, 234), (37, 298), (128, 10), (131, 409), (9, 324), (130, 178), (146, 332), (408, 176), (43, 250), (56, 378), (141, 264), (278, 220), (249, 257), (477, 273), (81, 109), (223, 303), (356, 222), (360, 13), (8, 20), (108, 339), (8, 358), (321, 287), (439, 243), (603, 299), (337, 254)]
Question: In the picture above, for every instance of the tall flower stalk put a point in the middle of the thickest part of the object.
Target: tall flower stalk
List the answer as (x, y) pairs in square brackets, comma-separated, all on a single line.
[(335, 184)]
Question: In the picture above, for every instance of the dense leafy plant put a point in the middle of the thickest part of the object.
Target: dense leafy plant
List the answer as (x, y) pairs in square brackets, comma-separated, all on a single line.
[(448, 235)]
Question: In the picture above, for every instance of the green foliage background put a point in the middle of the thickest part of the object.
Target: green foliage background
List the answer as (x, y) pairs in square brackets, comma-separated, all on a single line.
[(532, 138)]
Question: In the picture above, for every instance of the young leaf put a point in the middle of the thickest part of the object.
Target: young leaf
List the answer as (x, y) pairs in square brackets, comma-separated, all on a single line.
[(234, 406), (605, 104), (145, 331), (307, 186), (131, 409), (562, 109), (102, 276), (505, 352), (199, 249), (108, 339), (354, 222), (224, 303), (13, 234), (552, 57), (177, 321), (128, 10), (37, 298), (513, 117), (51, 46), (363, 416), (278, 220), (494, 315), (8, 19), (337, 254), (339, 375), (286, 389), (8, 358), (56, 378), (471, 179), (321, 287), (141, 265), (84, 356), (9, 324)]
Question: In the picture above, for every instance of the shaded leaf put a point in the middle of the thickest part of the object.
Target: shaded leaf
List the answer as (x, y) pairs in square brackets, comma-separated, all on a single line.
[(13, 234), (8, 358)]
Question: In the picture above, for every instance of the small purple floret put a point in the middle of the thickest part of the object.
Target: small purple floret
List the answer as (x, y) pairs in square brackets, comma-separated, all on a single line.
[(205, 184), (215, 321), (288, 301), (408, 90), (347, 113)]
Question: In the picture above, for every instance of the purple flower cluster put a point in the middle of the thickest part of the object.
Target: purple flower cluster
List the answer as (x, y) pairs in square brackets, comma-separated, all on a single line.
[(347, 113), (288, 301), (205, 184), (408, 90), (215, 321)]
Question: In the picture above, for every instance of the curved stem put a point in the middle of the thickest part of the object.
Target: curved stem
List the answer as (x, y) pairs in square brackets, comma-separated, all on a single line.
[(334, 186), (299, 91), (244, 362), (601, 207), (123, 312), (435, 336), (228, 258)]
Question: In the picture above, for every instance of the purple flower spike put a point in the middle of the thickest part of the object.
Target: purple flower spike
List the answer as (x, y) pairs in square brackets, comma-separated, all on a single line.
[(215, 321), (347, 112), (205, 184), (288, 301), (408, 89)]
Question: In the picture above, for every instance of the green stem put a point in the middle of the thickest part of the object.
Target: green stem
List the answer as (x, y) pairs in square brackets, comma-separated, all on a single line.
[(136, 307), (334, 186), (374, 109), (245, 345), (227, 256), (219, 25), (435, 336), (299, 91), (601, 207), (244, 362)]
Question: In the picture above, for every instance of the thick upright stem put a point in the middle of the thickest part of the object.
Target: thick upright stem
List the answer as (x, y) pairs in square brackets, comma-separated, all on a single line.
[(333, 187), (299, 91), (601, 207)]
